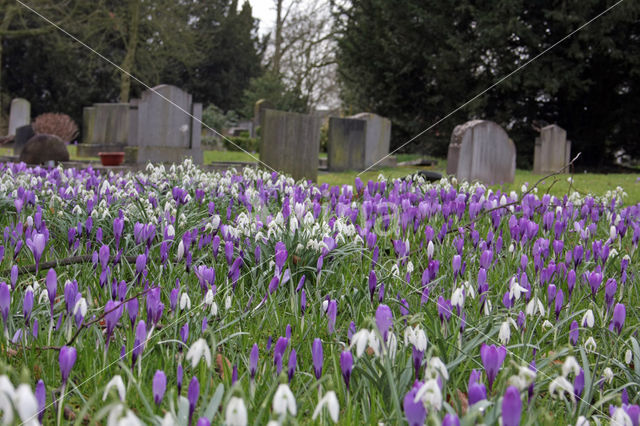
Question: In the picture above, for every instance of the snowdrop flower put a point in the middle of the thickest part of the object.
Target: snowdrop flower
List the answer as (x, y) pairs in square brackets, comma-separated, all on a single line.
[(116, 382), (214, 309), (430, 395), (185, 301), (208, 297), (505, 333), (608, 375), (570, 366), (582, 421), (180, 252), (283, 401), (561, 385), (457, 298), (417, 337), (547, 324), (487, 307), (392, 345), (516, 290), (236, 412), (525, 377), (81, 307), (331, 401), (430, 249), (590, 345), (628, 356), (325, 305), (588, 319), (197, 351), (171, 232), (227, 303), (360, 340), (621, 418), (26, 404), (436, 367), (534, 307), (116, 419)]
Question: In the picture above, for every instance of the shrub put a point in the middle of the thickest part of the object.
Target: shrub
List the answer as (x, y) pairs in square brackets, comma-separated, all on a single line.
[(57, 124), (244, 142)]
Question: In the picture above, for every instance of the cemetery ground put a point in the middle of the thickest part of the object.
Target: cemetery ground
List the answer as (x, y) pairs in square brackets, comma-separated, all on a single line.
[(177, 296)]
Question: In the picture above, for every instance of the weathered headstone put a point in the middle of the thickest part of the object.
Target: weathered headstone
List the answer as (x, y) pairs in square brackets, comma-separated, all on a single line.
[(258, 114), (552, 150), (346, 144), (19, 115), (377, 138), (481, 150), (23, 134), (105, 128), (291, 143), (166, 130), (358, 142)]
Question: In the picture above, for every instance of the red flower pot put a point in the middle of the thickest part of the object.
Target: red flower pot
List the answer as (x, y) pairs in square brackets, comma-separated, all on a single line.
[(111, 158)]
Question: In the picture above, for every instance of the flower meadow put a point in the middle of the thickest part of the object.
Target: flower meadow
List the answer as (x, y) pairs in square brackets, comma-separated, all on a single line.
[(178, 296)]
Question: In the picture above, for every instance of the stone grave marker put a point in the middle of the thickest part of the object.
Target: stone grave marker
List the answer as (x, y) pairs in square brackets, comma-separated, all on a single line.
[(377, 138), (19, 115), (166, 132), (291, 143), (481, 150), (552, 150), (105, 128)]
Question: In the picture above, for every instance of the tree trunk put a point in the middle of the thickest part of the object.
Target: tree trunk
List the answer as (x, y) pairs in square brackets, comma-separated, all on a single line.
[(278, 41), (129, 59)]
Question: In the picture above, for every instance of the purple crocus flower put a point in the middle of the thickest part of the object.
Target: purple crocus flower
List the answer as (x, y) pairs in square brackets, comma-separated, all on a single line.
[(179, 374), (559, 302), (27, 305), (414, 410), (52, 284), (41, 397), (113, 312), (317, 356), (511, 407), (234, 374), (332, 312), (253, 361), (103, 256), (192, 395), (578, 384), (118, 226), (203, 421), (492, 359), (159, 386), (609, 292), (477, 392), (384, 320), (14, 276), (293, 362), (574, 333), (5, 302), (36, 244), (67, 359), (138, 343), (346, 365), (450, 420), (619, 315), (373, 283), (303, 301)]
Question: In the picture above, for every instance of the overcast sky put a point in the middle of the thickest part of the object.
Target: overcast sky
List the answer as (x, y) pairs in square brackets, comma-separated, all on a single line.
[(265, 11)]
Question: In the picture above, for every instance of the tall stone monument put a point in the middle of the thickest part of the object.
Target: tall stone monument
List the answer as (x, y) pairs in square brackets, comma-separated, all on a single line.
[(19, 115), (552, 150), (105, 128), (481, 150), (291, 143)]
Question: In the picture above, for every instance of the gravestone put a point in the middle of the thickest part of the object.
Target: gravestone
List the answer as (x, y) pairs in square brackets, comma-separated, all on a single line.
[(19, 115), (169, 126), (23, 134), (552, 150), (105, 128), (358, 142), (258, 114), (291, 143), (481, 150)]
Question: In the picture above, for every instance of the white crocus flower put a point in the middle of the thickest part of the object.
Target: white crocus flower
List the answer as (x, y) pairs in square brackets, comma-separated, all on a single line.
[(236, 412), (430, 249), (570, 366), (590, 345), (436, 367), (430, 395), (185, 301), (80, 306), (561, 385), (171, 231), (197, 351), (588, 319), (283, 401), (505, 333), (116, 382), (26, 404), (331, 401)]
